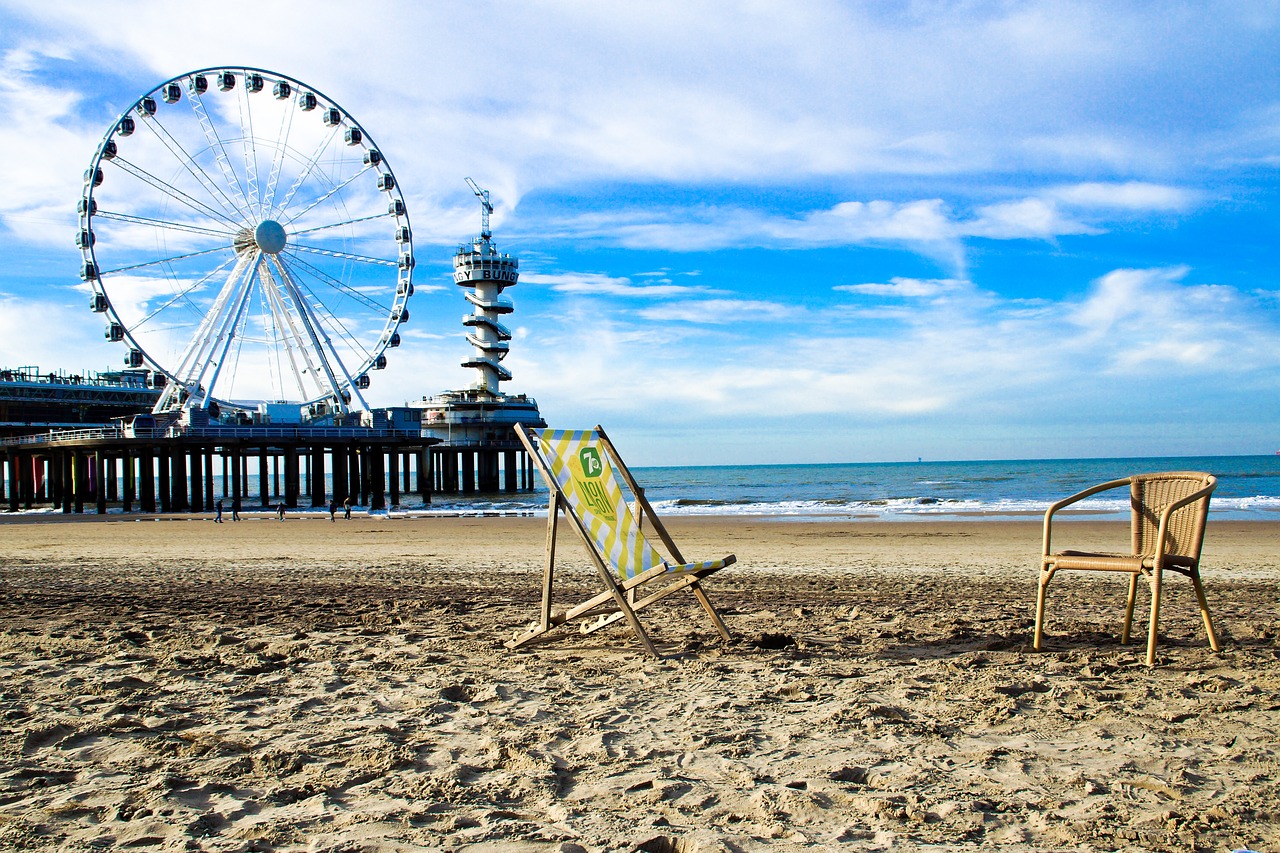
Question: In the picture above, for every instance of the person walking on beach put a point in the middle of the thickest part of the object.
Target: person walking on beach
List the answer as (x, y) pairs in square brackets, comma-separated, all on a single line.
[(217, 508), (280, 510), (346, 507), (333, 509), (235, 508)]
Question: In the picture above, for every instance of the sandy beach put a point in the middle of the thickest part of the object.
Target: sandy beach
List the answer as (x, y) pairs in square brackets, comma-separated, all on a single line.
[(174, 684)]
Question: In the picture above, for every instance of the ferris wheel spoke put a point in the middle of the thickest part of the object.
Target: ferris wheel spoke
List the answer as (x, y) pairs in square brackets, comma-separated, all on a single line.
[(336, 188), (271, 335), (173, 192), (346, 256), (216, 144), (340, 286), (277, 158), (349, 338), (194, 359), (163, 224), (342, 223), (234, 356), (249, 149), (316, 309), (310, 166), (168, 260), (182, 295), (192, 167), (334, 322)]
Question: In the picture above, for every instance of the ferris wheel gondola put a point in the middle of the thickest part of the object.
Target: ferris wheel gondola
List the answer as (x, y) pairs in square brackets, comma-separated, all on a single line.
[(247, 241)]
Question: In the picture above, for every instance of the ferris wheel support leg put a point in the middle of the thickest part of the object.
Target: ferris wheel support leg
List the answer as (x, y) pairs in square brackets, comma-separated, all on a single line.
[(226, 334), (294, 343), (195, 359), (315, 330)]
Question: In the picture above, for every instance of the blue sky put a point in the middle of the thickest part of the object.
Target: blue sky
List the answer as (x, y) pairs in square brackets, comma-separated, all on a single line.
[(757, 232)]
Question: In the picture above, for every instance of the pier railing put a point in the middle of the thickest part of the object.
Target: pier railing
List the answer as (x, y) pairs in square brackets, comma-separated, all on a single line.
[(255, 432)]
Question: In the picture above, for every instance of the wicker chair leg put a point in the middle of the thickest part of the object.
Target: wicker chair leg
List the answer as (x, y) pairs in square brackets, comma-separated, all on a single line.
[(1038, 642), (1204, 611), (1128, 609), (1155, 617)]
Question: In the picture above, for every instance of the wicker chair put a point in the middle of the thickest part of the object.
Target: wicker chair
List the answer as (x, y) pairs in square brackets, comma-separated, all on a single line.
[(1169, 514)]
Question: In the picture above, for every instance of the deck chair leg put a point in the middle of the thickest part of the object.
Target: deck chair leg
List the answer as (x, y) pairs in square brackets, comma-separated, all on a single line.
[(1045, 577), (711, 611), (620, 598), (548, 570), (1155, 617), (638, 629), (1204, 611), (1128, 608)]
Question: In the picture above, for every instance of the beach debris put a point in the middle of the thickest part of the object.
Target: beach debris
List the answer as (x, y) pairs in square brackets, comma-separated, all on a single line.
[(797, 692), (665, 844), (853, 775), (773, 641)]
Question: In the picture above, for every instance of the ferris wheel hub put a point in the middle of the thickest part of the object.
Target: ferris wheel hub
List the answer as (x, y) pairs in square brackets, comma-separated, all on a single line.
[(270, 236)]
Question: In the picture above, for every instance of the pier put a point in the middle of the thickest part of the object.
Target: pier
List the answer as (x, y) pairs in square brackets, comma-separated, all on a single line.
[(191, 471), (89, 470)]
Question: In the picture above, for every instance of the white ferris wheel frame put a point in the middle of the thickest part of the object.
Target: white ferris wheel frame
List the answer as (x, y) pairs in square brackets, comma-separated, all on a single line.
[(254, 265)]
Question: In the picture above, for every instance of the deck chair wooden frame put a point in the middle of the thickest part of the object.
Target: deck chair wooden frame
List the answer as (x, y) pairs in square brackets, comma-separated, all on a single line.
[(1169, 513), (629, 587)]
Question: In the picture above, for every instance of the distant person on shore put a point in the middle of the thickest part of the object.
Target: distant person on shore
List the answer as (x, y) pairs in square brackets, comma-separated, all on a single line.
[(346, 508), (280, 510), (333, 510), (235, 508), (217, 508)]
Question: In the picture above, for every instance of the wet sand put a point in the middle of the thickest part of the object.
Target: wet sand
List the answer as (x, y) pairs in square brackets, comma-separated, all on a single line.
[(263, 685)]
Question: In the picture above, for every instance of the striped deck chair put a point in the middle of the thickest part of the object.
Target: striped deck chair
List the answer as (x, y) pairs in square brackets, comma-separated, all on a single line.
[(582, 469)]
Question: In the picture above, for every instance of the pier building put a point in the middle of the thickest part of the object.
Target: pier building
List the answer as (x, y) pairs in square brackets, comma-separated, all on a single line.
[(34, 401)]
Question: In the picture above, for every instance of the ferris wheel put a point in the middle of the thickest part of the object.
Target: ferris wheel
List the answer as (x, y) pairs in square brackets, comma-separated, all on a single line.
[(247, 242)]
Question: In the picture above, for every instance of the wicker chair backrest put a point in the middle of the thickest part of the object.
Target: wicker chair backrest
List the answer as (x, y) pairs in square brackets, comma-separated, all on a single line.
[(1150, 494)]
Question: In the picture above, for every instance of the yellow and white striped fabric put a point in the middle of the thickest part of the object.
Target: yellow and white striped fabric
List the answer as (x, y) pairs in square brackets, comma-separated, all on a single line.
[(585, 477)]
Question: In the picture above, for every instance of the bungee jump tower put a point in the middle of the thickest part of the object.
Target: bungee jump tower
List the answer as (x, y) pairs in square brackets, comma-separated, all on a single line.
[(478, 449)]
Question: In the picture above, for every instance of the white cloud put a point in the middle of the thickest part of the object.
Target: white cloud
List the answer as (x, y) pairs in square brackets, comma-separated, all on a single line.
[(768, 94), (921, 221), (1030, 218), (1128, 196), (907, 288), (1151, 321), (55, 332), (48, 150), (596, 284), (926, 226), (719, 311)]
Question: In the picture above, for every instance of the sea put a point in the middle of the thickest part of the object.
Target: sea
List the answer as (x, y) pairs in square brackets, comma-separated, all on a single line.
[(1248, 488)]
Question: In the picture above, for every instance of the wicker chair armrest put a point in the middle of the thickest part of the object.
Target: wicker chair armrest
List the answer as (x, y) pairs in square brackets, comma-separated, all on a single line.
[(1065, 502)]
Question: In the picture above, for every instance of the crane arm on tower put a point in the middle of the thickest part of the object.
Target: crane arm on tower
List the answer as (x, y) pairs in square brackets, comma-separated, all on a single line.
[(485, 207)]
